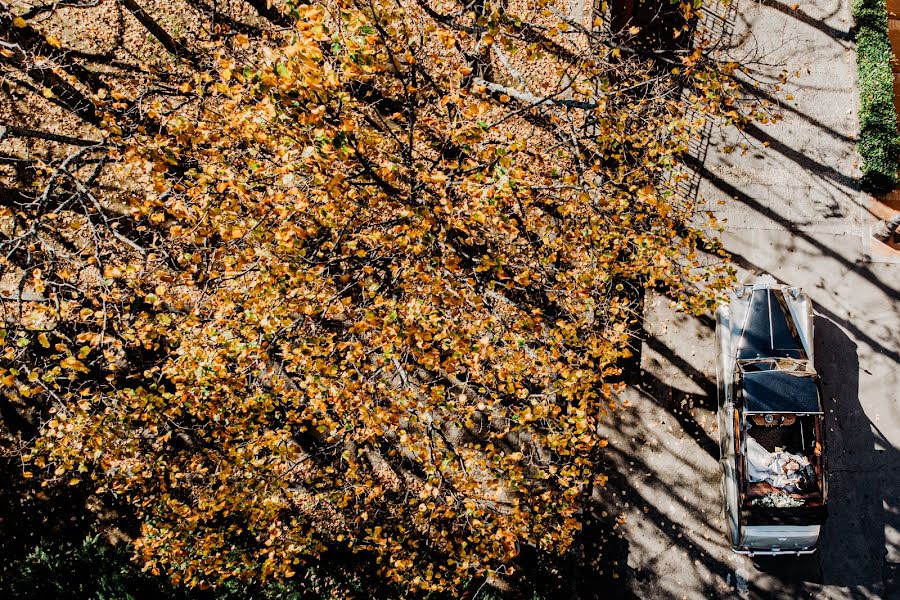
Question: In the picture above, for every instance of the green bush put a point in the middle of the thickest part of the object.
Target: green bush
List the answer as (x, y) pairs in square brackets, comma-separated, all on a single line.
[(95, 570), (92, 570), (879, 142)]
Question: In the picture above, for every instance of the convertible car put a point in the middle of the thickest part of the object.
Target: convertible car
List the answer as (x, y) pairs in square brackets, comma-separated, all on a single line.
[(771, 423)]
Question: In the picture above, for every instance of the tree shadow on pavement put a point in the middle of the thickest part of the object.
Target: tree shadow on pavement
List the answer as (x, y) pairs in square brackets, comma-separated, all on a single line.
[(664, 497), (595, 567), (682, 406), (692, 408), (767, 212), (819, 23)]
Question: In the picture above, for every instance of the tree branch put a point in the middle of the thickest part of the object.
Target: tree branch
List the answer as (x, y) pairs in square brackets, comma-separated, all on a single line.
[(529, 98)]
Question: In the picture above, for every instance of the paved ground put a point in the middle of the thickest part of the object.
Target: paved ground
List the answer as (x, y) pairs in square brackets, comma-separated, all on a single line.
[(794, 211)]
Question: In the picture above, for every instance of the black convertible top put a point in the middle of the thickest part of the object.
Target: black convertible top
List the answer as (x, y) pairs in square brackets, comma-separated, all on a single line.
[(780, 392)]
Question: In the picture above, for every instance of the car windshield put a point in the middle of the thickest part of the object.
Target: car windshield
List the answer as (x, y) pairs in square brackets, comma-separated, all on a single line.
[(799, 365)]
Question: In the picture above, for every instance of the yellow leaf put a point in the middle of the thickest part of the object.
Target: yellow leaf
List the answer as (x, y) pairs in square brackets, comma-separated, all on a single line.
[(48, 93), (42, 339), (53, 41), (634, 30), (74, 481), (74, 364), (19, 22)]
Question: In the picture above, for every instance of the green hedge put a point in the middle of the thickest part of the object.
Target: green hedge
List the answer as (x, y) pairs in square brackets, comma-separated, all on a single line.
[(879, 141)]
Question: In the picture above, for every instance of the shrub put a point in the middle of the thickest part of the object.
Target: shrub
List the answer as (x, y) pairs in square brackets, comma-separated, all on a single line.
[(879, 142), (96, 570), (92, 569)]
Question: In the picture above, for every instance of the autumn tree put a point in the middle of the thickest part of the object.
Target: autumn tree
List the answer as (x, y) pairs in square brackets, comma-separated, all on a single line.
[(351, 275)]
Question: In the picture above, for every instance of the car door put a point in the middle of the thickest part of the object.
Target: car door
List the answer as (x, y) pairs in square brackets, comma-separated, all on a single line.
[(725, 416), (723, 366), (729, 486)]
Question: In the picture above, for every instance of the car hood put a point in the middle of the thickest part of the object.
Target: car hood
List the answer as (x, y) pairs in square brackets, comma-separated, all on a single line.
[(767, 320)]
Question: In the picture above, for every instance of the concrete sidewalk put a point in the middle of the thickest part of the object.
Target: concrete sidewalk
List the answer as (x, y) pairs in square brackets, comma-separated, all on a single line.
[(793, 210)]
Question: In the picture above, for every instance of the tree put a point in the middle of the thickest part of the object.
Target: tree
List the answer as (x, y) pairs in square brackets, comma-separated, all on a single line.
[(367, 281)]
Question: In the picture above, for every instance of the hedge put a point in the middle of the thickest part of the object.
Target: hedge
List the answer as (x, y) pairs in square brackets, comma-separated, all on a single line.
[(879, 141)]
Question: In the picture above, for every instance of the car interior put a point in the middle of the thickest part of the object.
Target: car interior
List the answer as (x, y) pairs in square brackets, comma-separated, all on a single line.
[(785, 436)]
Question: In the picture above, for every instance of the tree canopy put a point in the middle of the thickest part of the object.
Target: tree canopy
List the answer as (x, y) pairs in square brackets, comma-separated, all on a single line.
[(351, 274)]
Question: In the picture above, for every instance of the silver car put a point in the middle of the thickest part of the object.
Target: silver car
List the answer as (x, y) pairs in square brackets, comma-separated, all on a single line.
[(771, 424)]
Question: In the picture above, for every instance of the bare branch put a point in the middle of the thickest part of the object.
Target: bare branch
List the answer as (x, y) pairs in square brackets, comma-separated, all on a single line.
[(529, 98)]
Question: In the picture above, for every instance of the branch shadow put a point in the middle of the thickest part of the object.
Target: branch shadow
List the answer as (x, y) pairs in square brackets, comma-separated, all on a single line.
[(801, 159), (817, 23), (680, 405), (760, 94), (658, 488), (744, 198)]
